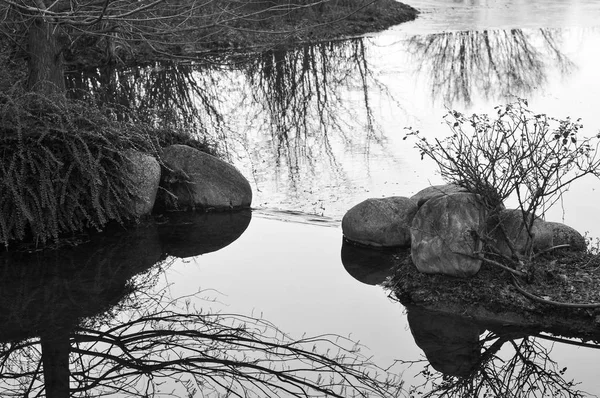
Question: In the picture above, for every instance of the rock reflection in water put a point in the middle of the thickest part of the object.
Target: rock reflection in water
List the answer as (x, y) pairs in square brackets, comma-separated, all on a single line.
[(467, 354), (368, 265), (489, 63), (187, 235)]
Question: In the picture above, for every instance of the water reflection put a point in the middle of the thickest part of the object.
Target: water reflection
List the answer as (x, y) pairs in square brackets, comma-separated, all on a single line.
[(491, 63), (46, 297), (166, 94), (281, 115), (55, 304), (301, 95), (88, 320), (188, 235), (471, 358), (368, 265)]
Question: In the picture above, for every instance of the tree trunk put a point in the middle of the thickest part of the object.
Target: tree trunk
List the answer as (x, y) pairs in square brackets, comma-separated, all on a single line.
[(46, 69), (55, 358)]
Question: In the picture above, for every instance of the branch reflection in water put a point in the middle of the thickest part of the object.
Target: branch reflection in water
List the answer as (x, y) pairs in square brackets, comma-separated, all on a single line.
[(466, 358), (87, 321), (309, 108), (461, 66), (166, 94)]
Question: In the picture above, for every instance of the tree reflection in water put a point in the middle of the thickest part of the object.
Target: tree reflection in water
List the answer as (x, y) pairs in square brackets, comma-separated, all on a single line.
[(165, 94), (284, 113), (302, 90), (311, 105), (464, 359), (494, 63), (88, 321)]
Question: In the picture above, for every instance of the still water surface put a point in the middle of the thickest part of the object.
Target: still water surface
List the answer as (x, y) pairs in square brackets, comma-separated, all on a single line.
[(320, 128), (308, 168)]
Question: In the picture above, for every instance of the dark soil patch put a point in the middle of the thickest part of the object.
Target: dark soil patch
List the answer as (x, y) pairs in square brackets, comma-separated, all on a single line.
[(491, 294)]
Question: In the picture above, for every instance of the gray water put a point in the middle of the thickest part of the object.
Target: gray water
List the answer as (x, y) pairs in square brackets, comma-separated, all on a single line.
[(544, 51), (317, 129)]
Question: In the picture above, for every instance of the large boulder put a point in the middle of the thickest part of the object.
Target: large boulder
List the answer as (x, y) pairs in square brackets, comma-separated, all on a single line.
[(145, 172), (508, 225), (445, 235), (380, 222), (564, 235), (435, 191), (212, 183)]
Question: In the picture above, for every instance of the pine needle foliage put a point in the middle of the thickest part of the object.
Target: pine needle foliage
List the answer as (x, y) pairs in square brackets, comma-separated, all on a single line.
[(63, 167)]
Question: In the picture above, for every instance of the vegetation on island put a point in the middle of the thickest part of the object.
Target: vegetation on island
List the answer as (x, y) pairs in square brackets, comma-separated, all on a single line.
[(530, 158)]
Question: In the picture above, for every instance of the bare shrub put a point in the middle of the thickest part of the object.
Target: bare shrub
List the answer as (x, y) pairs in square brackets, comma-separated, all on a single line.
[(520, 154)]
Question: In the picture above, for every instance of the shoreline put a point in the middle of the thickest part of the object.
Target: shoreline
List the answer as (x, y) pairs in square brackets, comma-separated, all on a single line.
[(337, 22), (489, 296)]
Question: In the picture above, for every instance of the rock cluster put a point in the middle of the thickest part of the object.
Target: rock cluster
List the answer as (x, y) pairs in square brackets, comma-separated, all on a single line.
[(188, 179), (446, 229)]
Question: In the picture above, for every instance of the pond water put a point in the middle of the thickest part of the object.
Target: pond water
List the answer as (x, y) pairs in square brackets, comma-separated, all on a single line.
[(317, 129)]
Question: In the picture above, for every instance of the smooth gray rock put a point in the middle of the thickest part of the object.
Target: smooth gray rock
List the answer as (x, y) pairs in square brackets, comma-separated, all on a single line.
[(380, 222), (145, 172), (564, 235), (213, 183), (509, 225), (445, 233), (435, 191)]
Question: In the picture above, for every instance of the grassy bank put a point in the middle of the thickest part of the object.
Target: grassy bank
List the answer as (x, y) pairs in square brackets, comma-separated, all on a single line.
[(62, 166)]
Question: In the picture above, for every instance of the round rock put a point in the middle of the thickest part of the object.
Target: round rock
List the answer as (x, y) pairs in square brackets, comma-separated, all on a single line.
[(564, 235), (213, 183), (509, 225), (380, 222)]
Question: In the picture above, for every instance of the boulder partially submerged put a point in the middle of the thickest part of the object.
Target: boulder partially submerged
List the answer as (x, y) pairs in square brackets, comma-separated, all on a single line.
[(207, 183), (380, 222)]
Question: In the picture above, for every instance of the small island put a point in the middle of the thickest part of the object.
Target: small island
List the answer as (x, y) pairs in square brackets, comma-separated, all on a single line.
[(461, 251)]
